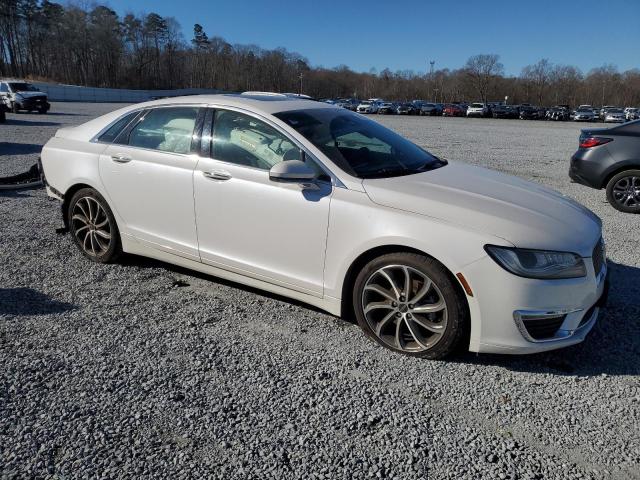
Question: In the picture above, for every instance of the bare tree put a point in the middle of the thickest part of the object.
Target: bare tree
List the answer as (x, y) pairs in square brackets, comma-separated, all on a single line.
[(482, 70), (539, 76)]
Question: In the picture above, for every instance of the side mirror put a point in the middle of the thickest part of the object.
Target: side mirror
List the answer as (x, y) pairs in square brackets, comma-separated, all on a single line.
[(292, 171)]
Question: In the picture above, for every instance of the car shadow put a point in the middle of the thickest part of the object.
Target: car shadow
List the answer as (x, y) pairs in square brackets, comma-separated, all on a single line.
[(23, 301), (28, 123), (611, 348), (11, 148), (145, 262)]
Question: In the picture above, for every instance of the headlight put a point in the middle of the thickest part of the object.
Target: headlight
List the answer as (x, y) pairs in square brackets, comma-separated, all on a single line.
[(538, 263)]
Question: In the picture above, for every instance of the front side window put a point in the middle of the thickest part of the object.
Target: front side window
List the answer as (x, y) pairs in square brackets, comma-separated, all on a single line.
[(359, 146), (3, 88), (244, 140), (168, 129)]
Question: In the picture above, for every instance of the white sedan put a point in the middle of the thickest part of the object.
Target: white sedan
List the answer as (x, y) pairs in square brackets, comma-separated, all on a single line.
[(322, 205)]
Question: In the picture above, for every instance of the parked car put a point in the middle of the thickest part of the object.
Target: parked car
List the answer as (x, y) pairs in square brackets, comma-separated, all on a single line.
[(17, 95), (321, 205), (584, 114), (453, 110), (614, 115), (632, 114), (431, 109), (348, 103), (528, 112), (505, 111), (405, 109), (609, 158), (604, 110), (387, 108), (558, 113), (478, 110), (367, 106)]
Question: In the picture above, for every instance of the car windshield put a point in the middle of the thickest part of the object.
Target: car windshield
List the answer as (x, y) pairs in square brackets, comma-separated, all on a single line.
[(476, 105), (22, 87), (615, 110), (359, 146), (584, 109), (365, 103)]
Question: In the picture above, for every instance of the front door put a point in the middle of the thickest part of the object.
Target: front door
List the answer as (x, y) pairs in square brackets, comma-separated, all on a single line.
[(248, 224)]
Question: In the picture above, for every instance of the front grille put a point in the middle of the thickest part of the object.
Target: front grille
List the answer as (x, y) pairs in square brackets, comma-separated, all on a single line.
[(543, 328), (598, 257)]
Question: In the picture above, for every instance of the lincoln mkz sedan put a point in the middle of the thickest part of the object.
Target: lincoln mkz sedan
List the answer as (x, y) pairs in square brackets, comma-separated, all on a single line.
[(322, 205)]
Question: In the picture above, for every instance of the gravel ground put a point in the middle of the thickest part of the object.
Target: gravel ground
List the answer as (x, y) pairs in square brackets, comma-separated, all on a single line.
[(144, 370)]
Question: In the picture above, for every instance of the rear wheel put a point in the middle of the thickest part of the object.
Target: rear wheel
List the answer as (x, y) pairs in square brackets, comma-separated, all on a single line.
[(93, 226), (407, 303), (623, 191)]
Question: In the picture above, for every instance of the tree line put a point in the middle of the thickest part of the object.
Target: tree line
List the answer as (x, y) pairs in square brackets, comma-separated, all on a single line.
[(44, 40)]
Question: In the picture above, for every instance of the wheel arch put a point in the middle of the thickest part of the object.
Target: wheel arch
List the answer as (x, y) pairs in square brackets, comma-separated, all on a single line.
[(70, 192), (361, 260), (619, 167)]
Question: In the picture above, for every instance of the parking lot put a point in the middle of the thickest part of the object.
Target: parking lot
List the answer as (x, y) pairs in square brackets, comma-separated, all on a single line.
[(141, 369)]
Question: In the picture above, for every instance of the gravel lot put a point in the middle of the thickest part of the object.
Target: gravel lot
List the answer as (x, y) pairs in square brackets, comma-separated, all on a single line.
[(143, 370)]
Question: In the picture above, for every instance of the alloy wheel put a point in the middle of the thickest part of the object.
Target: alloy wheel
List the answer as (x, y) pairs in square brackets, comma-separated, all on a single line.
[(404, 308), (91, 226), (626, 191)]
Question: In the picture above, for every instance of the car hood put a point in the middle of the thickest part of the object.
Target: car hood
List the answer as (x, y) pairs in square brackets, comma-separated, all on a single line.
[(524, 214), (27, 94)]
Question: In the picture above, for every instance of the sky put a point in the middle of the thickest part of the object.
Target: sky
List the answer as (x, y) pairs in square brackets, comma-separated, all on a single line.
[(407, 34)]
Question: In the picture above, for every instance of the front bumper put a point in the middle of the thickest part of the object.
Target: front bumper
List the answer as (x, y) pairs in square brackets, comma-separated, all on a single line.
[(496, 327), (35, 103)]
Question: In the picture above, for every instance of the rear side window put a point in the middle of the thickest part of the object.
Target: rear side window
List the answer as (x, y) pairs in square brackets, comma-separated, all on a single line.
[(168, 129), (113, 131)]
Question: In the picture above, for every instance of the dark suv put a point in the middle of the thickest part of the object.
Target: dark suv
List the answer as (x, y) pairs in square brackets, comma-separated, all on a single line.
[(610, 158)]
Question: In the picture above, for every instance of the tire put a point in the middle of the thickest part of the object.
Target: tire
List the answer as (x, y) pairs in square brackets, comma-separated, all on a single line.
[(42, 111), (623, 191), (393, 322), (15, 108), (93, 226)]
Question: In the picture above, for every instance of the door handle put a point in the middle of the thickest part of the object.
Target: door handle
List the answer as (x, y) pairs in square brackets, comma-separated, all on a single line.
[(121, 158), (217, 175)]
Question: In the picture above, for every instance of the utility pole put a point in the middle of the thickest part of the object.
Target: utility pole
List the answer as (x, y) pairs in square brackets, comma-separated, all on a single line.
[(431, 64)]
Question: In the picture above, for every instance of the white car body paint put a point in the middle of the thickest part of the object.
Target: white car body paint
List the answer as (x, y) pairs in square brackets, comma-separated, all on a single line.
[(301, 244)]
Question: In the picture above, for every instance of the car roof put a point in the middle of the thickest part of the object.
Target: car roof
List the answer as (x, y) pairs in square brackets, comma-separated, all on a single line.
[(265, 103)]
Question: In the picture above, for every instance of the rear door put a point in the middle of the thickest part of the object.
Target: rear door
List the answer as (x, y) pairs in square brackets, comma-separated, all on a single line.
[(148, 175)]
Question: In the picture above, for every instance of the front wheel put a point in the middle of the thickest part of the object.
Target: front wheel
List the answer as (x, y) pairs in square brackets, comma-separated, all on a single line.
[(623, 191), (409, 304), (93, 226)]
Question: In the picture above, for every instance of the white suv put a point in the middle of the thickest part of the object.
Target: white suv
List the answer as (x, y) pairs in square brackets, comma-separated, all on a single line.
[(17, 95), (477, 110)]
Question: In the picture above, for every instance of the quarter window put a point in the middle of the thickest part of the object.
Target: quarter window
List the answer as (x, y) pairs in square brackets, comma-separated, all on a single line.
[(165, 129), (113, 131), (243, 140)]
